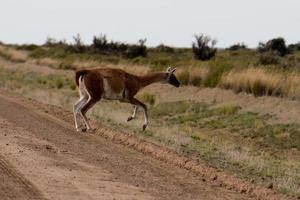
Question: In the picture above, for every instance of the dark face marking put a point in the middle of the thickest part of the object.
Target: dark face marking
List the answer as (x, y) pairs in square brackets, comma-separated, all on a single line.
[(173, 80)]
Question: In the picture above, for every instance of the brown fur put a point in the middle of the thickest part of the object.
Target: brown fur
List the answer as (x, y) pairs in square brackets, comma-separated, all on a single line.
[(117, 79)]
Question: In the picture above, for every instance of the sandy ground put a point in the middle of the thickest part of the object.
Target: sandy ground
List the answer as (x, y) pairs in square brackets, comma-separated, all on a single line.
[(42, 157)]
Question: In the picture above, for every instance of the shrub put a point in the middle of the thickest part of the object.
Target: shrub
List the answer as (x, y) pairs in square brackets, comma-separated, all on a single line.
[(103, 46), (203, 48), (137, 50), (237, 46), (276, 45), (100, 43)]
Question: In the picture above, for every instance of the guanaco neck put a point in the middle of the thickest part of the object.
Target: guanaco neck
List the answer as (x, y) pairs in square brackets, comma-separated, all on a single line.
[(151, 78)]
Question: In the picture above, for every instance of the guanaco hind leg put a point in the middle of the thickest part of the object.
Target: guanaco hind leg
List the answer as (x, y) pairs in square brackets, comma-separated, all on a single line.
[(84, 99), (133, 114)]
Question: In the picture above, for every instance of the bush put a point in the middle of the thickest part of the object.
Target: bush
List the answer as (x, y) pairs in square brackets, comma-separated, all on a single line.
[(103, 46), (237, 46), (100, 43), (276, 45), (203, 48), (137, 50)]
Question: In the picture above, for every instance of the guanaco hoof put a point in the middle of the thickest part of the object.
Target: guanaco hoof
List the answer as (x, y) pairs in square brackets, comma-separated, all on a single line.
[(129, 118), (144, 127)]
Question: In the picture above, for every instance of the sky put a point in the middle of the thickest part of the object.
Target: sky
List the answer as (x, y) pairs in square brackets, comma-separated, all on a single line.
[(171, 22)]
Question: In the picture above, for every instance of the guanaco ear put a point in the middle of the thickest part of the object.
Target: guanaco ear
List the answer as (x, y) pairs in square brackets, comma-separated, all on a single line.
[(168, 69)]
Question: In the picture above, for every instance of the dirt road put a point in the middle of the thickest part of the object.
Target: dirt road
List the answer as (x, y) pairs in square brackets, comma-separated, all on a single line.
[(42, 157)]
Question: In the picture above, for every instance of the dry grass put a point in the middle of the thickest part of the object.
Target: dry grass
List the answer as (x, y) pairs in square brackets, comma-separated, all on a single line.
[(61, 64), (12, 54), (53, 63), (262, 82), (192, 75), (134, 69)]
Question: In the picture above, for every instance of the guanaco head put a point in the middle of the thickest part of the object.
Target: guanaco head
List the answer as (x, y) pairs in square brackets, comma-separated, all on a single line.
[(171, 78)]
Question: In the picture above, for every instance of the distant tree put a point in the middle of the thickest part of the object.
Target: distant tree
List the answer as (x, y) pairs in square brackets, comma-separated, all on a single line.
[(203, 47)]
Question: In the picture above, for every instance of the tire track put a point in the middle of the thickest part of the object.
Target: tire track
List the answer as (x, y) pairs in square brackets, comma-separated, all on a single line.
[(14, 185)]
